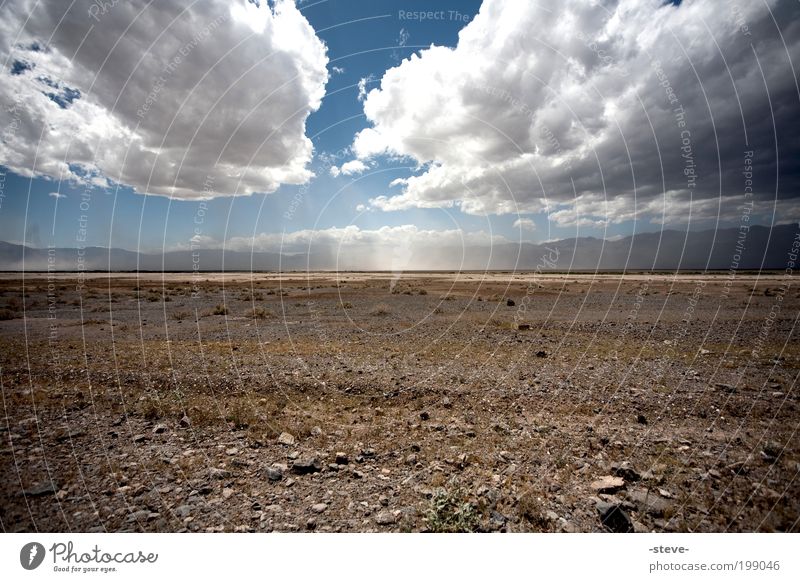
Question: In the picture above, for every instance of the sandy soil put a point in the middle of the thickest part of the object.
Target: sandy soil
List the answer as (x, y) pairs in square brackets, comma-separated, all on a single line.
[(409, 402)]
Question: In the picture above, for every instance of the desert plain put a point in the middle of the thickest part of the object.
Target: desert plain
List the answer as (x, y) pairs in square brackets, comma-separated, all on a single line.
[(399, 402)]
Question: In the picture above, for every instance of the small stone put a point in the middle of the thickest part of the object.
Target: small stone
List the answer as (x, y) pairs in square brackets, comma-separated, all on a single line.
[(231, 451), (524, 326), (613, 517), (497, 520), (607, 484), (341, 458), (641, 419), (185, 422), (139, 438), (138, 516), (385, 518), (316, 431), (306, 466), (648, 502), (319, 507), (183, 511), (424, 415), (541, 354), (446, 402), (383, 500), (41, 489), (274, 474), (286, 439), (159, 429), (216, 473), (626, 471), (510, 303), (227, 493), (311, 524)]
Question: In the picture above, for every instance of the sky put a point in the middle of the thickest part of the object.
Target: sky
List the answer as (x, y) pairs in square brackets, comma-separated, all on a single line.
[(275, 125)]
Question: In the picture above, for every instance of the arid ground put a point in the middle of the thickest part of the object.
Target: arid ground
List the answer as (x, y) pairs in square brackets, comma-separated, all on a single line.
[(408, 402)]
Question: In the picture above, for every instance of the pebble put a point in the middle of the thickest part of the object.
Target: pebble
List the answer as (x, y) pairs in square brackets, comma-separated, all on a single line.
[(319, 507), (385, 518), (306, 466), (286, 439), (159, 429), (274, 474), (216, 473)]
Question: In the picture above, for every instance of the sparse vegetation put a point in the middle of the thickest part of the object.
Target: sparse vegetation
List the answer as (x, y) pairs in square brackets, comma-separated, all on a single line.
[(219, 309), (451, 512), (380, 309)]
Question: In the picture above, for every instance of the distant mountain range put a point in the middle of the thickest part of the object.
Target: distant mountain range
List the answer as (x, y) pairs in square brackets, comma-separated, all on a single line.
[(761, 248)]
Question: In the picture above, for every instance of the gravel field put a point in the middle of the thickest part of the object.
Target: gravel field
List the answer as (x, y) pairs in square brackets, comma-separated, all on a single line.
[(410, 402)]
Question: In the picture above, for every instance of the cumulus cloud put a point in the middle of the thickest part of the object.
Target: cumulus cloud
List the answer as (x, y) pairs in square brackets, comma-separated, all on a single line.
[(525, 224), (353, 238), (351, 247), (349, 168), (597, 112), (186, 101), (57, 195)]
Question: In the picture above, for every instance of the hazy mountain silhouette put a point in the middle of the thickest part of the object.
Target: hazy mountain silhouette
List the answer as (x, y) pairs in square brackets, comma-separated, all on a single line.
[(761, 248)]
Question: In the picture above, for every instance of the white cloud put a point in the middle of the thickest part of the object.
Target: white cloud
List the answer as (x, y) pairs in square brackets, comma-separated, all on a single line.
[(57, 195), (362, 86), (525, 224), (192, 102), (563, 110), (356, 248)]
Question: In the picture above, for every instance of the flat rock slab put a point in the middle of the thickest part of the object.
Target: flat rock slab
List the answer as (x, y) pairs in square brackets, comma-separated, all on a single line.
[(608, 484)]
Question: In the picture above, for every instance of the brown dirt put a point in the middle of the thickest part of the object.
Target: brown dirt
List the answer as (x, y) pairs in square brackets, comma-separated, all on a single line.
[(450, 416)]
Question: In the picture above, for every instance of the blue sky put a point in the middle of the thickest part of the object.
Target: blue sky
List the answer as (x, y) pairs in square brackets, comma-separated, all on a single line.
[(363, 42)]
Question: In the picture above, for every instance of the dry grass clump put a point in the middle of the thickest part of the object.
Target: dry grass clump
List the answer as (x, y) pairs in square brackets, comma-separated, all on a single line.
[(262, 313), (380, 309), (181, 315), (219, 309)]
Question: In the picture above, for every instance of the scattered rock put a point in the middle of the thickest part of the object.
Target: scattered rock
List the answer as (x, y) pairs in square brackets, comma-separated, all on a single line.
[(183, 511), (216, 473), (227, 493), (648, 502), (306, 466), (159, 429), (524, 326), (541, 354), (497, 520), (342, 459), (424, 415), (510, 303), (185, 422), (274, 474), (139, 438), (385, 518), (626, 471), (641, 419), (286, 439), (41, 489), (319, 507), (607, 484), (614, 518)]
